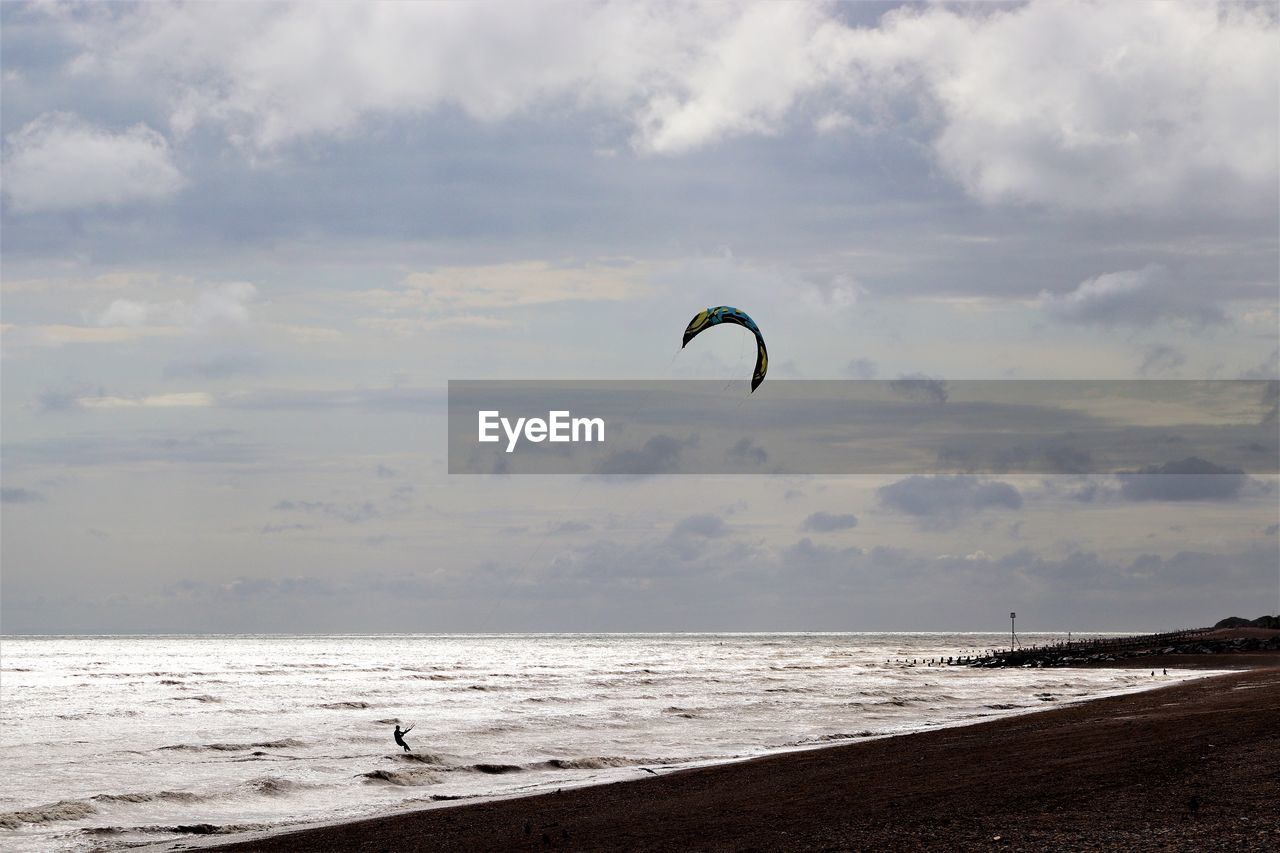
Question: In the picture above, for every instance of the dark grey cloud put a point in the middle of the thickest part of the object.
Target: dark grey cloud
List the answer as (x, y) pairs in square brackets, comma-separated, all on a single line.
[(215, 367), (945, 501), (251, 588), (1161, 360), (861, 368), (396, 502), (826, 522), (66, 398), (707, 525), (747, 452), (1271, 403), (1009, 453), (1190, 479), (1269, 368), (352, 513), (285, 528), (215, 446), (917, 386), (691, 536), (566, 527), (14, 495), (659, 455)]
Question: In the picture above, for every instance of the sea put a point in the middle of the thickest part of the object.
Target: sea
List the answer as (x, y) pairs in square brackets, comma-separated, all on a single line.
[(109, 741)]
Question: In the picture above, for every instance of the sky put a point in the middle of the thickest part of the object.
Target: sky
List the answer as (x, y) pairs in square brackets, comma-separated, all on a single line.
[(245, 247)]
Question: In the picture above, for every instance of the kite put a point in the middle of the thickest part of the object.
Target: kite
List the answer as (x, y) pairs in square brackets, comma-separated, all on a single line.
[(725, 314)]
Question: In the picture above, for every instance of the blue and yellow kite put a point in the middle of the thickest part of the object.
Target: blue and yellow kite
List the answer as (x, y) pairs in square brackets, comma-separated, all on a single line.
[(725, 314)]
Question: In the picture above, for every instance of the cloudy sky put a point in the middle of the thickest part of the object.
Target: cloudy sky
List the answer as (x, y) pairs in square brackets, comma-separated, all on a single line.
[(245, 247)]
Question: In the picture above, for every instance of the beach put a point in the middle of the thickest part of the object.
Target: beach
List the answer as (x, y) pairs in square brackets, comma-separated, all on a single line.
[(1192, 766)]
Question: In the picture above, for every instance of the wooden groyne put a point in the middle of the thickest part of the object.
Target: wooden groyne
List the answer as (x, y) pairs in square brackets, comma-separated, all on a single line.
[(1190, 641), (1099, 650)]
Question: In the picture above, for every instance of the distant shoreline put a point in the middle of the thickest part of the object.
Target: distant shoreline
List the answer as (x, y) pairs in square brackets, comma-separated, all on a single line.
[(1177, 767)]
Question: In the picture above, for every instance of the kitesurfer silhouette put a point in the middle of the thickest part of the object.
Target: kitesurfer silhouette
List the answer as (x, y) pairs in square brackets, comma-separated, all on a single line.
[(399, 736)]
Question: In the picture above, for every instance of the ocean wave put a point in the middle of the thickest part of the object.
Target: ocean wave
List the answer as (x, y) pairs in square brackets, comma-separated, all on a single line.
[(149, 797), (493, 769), (421, 758), (599, 762), (439, 764), (282, 743), (686, 713), (51, 813), (832, 738), (177, 829), (275, 786), (345, 706), (84, 715), (405, 778), (436, 798), (202, 697)]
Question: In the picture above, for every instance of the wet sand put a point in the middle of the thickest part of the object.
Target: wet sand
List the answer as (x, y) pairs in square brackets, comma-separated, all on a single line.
[(1194, 766)]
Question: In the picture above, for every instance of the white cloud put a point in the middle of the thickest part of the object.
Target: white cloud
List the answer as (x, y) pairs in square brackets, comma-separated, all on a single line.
[(1095, 105), (308, 334), (188, 399), (1135, 298), (221, 306), (1072, 103), (56, 335), (523, 283), (745, 81), (471, 296), (61, 162)]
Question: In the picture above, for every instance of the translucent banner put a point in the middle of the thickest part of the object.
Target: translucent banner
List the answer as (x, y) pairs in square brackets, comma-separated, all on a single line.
[(628, 429)]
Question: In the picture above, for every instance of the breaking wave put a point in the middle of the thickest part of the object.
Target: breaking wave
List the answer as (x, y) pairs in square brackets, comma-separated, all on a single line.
[(282, 743), (51, 813), (601, 762), (274, 786), (404, 778), (149, 797), (178, 829)]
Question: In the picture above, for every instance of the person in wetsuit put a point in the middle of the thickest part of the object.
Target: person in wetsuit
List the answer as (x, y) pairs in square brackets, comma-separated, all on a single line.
[(399, 736)]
